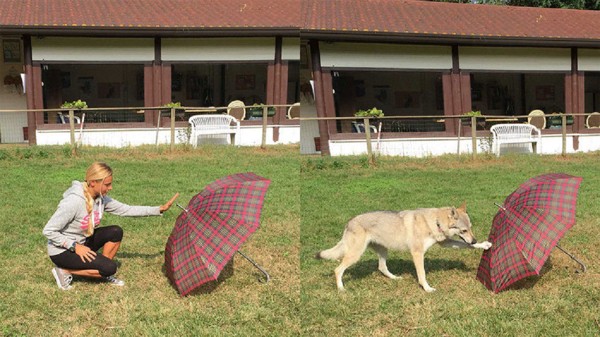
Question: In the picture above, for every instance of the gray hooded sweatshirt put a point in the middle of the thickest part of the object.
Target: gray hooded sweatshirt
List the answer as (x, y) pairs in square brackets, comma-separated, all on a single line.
[(70, 221)]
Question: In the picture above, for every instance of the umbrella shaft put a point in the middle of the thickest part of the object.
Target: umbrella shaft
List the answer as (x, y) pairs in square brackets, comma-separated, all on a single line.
[(573, 258), (267, 277)]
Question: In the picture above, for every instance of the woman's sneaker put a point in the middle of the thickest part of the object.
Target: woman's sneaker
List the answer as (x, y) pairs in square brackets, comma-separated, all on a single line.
[(63, 279), (114, 281)]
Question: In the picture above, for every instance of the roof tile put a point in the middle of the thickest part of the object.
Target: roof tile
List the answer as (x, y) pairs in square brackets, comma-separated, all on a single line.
[(439, 18), (151, 13)]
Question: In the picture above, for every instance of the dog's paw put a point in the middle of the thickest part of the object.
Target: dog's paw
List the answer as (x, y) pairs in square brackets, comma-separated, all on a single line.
[(485, 245), (429, 289)]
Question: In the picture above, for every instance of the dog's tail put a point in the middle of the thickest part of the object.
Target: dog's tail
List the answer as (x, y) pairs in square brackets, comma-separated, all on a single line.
[(334, 253)]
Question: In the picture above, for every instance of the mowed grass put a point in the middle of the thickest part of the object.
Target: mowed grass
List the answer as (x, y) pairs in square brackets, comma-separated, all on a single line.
[(33, 180), (559, 303)]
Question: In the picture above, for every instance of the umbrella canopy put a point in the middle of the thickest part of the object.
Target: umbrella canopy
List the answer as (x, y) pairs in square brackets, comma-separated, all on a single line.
[(211, 229), (528, 226)]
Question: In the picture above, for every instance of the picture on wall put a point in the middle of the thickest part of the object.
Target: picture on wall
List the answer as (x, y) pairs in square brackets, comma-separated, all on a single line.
[(495, 98), (544, 93), (407, 99), (11, 51), (65, 80), (109, 90), (245, 82), (360, 88), (85, 85), (381, 92)]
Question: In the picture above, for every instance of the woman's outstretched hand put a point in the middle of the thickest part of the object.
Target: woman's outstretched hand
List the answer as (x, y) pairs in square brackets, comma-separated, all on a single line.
[(166, 206)]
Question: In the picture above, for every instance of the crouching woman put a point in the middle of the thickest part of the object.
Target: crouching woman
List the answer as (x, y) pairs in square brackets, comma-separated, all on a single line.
[(74, 235)]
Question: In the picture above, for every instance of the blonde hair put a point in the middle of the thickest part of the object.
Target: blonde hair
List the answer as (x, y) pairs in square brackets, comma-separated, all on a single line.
[(98, 171)]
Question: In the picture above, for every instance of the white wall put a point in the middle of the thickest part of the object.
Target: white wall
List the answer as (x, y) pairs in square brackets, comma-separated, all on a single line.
[(218, 49), (424, 147), (514, 58), (385, 56), (86, 49), (248, 136)]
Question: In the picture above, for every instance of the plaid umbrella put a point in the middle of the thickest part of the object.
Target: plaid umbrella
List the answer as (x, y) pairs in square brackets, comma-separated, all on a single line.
[(524, 231), (212, 228)]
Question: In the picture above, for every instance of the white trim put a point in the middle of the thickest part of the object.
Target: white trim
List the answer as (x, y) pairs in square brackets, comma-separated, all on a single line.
[(290, 49), (588, 59), (514, 59), (385, 56), (218, 49), (85, 49)]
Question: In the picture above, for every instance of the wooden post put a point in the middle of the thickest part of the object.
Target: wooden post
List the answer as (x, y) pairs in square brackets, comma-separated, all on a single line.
[(72, 131), (172, 128), (157, 127), (263, 142), (564, 134), (474, 135), (368, 139)]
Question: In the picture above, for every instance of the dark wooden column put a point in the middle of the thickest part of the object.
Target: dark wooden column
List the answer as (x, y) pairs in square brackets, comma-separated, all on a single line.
[(457, 93), (575, 96), (277, 85), (322, 96), (30, 88)]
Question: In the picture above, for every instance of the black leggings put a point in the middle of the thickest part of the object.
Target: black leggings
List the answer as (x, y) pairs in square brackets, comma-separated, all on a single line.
[(104, 265)]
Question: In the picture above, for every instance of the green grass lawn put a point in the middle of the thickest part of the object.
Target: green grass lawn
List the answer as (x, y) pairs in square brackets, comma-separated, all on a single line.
[(33, 180), (306, 208), (560, 303)]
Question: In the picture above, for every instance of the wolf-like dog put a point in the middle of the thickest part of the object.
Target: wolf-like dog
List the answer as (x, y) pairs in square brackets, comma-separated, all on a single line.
[(414, 230)]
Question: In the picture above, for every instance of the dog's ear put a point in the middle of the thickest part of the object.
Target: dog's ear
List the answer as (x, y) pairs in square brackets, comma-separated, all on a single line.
[(453, 213), (463, 207)]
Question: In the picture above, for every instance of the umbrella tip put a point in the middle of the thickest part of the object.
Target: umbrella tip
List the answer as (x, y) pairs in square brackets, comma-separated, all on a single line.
[(500, 206)]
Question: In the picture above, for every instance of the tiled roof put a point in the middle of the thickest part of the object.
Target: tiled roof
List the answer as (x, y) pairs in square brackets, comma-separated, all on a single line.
[(426, 18), (150, 14), (346, 18)]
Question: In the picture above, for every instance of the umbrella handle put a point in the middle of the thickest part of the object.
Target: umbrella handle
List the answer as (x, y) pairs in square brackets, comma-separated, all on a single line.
[(583, 268), (267, 277)]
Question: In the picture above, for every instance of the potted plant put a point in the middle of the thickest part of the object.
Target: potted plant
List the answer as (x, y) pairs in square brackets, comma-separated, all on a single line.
[(373, 112), (256, 111), (467, 120), (179, 114), (74, 105)]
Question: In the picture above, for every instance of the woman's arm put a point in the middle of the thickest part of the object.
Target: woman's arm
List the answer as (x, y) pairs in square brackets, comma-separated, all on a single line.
[(62, 218), (118, 208)]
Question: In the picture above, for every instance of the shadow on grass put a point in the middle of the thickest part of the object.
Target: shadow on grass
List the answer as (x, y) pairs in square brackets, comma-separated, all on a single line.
[(140, 255), (401, 267), (207, 287), (530, 281)]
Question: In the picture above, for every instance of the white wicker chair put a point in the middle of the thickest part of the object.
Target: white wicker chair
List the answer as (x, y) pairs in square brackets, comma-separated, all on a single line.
[(537, 118), (64, 119), (293, 111), (514, 134), (237, 109), (593, 120), (360, 127), (213, 129)]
